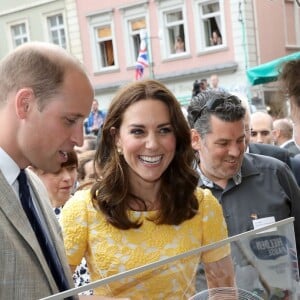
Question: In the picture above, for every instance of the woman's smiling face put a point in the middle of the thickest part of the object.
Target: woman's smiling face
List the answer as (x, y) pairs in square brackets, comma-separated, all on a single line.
[(146, 139)]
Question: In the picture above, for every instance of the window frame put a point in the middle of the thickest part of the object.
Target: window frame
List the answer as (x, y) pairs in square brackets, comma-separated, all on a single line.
[(12, 38), (131, 13), (63, 26), (203, 43), (295, 22), (96, 22), (132, 46), (168, 42)]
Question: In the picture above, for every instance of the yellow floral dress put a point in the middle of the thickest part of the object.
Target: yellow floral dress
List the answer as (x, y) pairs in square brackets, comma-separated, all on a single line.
[(109, 250)]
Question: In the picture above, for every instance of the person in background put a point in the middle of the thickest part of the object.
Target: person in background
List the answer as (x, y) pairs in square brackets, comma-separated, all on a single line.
[(196, 88), (60, 186), (204, 84), (283, 135), (89, 143), (45, 96), (270, 150), (179, 45), (259, 148), (249, 187), (214, 83), (261, 128), (147, 188), (86, 172), (289, 77), (199, 86), (95, 119), (215, 39)]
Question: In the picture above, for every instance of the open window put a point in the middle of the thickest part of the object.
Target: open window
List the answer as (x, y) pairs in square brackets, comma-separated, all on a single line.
[(105, 46), (212, 28), (135, 27), (175, 37)]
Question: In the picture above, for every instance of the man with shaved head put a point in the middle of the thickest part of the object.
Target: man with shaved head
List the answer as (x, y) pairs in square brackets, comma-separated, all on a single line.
[(261, 128)]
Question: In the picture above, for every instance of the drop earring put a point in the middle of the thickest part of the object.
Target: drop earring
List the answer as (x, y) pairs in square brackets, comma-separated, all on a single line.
[(119, 151)]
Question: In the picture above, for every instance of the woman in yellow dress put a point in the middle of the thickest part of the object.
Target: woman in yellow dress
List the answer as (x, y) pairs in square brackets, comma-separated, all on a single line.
[(145, 205)]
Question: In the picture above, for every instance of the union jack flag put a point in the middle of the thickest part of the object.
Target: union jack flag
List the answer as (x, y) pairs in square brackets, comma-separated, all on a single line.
[(142, 61)]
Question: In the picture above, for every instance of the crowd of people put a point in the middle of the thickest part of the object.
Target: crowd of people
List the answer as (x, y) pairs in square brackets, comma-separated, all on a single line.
[(87, 195)]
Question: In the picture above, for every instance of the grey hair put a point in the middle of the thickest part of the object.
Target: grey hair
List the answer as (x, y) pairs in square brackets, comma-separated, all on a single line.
[(199, 116)]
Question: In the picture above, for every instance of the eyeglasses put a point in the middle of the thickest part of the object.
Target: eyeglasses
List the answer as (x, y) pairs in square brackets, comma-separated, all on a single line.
[(212, 104)]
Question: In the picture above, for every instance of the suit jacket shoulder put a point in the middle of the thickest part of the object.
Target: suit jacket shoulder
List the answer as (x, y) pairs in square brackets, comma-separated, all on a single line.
[(270, 150), (24, 270)]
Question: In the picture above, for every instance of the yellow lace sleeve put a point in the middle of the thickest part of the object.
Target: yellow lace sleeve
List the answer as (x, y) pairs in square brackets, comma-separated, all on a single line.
[(73, 221), (214, 227)]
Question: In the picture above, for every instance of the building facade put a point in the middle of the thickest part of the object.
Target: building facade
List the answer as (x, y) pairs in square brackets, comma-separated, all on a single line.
[(187, 40)]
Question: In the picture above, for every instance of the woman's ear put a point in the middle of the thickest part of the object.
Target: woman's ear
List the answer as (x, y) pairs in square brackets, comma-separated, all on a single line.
[(196, 139)]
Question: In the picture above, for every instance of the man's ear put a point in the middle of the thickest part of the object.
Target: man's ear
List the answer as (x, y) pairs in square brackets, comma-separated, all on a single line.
[(196, 139), (275, 134), (24, 102)]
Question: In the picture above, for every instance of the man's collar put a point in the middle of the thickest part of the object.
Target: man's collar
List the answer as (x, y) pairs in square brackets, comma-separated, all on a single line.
[(237, 178)]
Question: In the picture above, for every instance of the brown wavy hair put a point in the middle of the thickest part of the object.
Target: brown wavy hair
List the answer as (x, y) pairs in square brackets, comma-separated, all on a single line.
[(290, 79), (111, 192)]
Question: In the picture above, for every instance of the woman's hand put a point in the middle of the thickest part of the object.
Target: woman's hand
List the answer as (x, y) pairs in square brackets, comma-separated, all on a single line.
[(220, 273)]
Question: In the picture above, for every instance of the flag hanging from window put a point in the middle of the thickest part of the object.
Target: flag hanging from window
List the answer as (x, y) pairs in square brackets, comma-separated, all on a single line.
[(142, 60)]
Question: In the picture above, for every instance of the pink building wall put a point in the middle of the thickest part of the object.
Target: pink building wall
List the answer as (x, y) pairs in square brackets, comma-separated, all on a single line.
[(257, 31), (194, 60), (274, 22)]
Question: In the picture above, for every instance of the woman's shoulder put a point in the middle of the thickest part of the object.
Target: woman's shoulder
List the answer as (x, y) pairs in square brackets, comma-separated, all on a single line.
[(203, 194), (80, 199), (206, 199), (82, 194)]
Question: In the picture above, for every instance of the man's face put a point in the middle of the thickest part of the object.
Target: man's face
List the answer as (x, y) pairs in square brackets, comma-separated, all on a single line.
[(221, 151), (95, 106), (44, 136), (261, 129)]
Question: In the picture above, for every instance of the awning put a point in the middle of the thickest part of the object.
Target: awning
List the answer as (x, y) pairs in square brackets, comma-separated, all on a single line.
[(268, 72)]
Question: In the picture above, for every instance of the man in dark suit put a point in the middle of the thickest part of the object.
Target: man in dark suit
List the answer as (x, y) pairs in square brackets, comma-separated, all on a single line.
[(270, 150), (273, 151), (283, 135), (279, 153), (266, 148), (45, 96)]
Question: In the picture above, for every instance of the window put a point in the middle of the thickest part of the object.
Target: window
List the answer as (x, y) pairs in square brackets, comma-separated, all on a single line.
[(103, 41), (56, 30), (135, 20), (19, 34), (292, 23), (135, 28), (212, 29), (105, 47), (175, 31)]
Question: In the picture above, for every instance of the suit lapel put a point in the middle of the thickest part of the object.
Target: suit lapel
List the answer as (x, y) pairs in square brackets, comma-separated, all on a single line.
[(11, 207)]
